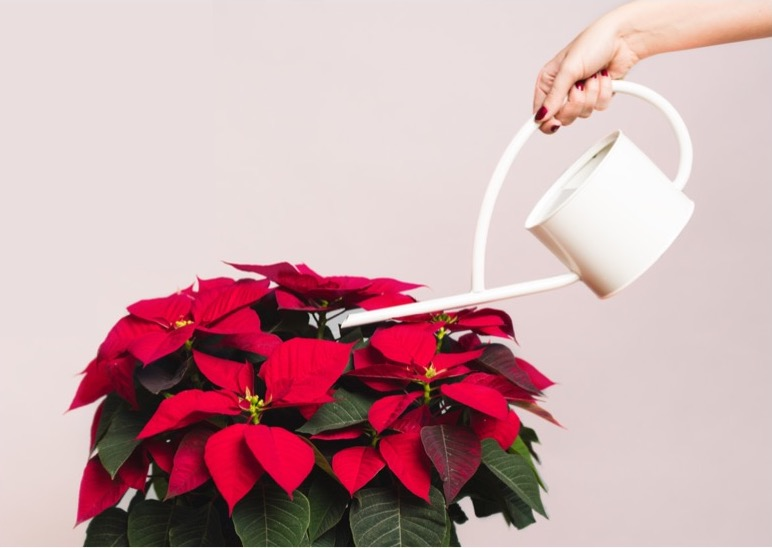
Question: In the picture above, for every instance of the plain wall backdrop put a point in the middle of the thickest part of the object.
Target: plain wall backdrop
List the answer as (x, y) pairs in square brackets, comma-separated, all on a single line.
[(142, 143)]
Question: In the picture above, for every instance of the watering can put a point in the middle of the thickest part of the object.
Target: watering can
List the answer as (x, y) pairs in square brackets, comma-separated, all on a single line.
[(608, 218)]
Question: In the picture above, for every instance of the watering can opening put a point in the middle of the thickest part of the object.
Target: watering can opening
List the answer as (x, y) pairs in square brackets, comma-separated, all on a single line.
[(608, 218), (569, 183)]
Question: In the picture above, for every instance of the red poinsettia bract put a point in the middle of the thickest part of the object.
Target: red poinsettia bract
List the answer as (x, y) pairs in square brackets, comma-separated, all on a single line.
[(298, 373), (406, 359), (300, 288), (155, 328)]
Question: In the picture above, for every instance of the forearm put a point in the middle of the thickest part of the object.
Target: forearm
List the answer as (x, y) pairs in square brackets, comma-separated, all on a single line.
[(650, 27)]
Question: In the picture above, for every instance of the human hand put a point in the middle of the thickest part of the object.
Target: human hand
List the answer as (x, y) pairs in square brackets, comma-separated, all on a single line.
[(577, 81)]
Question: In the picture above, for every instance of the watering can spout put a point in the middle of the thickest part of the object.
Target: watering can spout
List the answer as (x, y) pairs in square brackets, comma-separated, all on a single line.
[(608, 218), (452, 302)]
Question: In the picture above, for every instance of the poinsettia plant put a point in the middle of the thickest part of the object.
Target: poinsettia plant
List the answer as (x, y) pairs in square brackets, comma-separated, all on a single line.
[(239, 412)]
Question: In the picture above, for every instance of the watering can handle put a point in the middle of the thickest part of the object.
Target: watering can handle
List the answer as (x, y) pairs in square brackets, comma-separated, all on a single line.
[(480, 295), (530, 127)]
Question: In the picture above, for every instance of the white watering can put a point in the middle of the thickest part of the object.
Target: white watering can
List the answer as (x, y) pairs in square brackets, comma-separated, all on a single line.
[(608, 218)]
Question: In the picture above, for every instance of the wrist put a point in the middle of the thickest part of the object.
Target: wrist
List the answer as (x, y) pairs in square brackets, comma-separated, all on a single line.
[(629, 23)]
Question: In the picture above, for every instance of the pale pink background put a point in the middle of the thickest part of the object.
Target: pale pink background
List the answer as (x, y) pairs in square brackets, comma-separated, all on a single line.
[(141, 143)]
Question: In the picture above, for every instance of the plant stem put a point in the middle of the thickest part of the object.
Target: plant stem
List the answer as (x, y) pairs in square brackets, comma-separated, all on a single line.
[(322, 324)]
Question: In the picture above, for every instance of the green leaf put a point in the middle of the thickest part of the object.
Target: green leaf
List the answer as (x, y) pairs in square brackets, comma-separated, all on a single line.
[(521, 449), (108, 529), (453, 536), (139, 496), (353, 336), (119, 441), (529, 437), (110, 406), (493, 497), (328, 502), (518, 512), (326, 539), (457, 514), (340, 535), (267, 517), (388, 517), (347, 409), (515, 472), (149, 523), (196, 527), (160, 481), (293, 323), (343, 533)]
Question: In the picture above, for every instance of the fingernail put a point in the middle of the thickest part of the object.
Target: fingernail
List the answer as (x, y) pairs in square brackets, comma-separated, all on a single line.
[(541, 113), (580, 86), (595, 75), (604, 72), (554, 128)]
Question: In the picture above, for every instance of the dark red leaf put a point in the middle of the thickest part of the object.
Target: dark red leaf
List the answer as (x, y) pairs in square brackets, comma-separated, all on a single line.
[(413, 420), (356, 466), (301, 371), (289, 301), (189, 469), (501, 385), (105, 375), (123, 333), (259, 343), (367, 357), (387, 371), (470, 341), (189, 407), (153, 346), (380, 286), (237, 377), (283, 455), (406, 343), (386, 410), (538, 410), (134, 471), (94, 384), (164, 311), (162, 452), (348, 433), (538, 379), (212, 305), (98, 491), (95, 425), (483, 399), (455, 452), (212, 285), (503, 431), (271, 271), (488, 321), (244, 320), (451, 359), (382, 301), (405, 456), (500, 359), (233, 467)]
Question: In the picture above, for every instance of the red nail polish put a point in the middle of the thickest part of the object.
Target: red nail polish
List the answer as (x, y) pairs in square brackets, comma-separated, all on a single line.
[(541, 113), (595, 75), (604, 72), (554, 128), (580, 86)]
